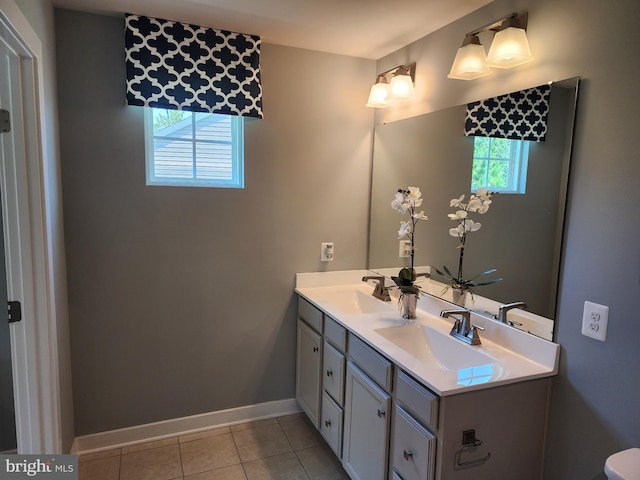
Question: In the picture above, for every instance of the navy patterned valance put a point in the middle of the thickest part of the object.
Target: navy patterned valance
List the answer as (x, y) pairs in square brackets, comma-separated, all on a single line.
[(186, 67), (519, 115)]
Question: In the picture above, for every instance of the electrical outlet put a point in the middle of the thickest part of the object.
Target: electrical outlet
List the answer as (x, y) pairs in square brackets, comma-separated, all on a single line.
[(404, 250), (595, 319), (326, 252)]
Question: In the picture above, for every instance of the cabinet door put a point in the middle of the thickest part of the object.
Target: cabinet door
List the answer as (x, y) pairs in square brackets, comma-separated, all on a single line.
[(308, 369), (413, 453), (366, 427)]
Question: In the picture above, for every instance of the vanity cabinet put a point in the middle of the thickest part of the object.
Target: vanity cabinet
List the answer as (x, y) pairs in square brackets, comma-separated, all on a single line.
[(415, 418), (320, 369), (413, 449), (366, 427), (309, 359), (333, 384), (384, 423)]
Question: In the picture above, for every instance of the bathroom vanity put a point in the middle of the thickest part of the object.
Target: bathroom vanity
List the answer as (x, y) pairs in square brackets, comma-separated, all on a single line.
[(405, 400)]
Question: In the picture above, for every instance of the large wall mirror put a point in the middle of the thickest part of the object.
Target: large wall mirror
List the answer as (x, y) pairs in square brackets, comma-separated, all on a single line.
[(521, 234)]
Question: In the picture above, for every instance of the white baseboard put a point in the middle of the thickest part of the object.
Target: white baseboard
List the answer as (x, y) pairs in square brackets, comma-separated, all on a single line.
[(181, 426)]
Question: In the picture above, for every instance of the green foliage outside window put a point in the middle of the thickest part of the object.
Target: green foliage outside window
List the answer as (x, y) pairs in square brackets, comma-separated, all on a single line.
[(165, 118), (492, 167)]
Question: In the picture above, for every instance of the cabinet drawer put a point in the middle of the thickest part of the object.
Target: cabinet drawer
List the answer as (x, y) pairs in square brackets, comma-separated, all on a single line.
[(331, 424), (414, 448), (335, 333), (333, 373), (417, 399), (310, 314), (371, 362)]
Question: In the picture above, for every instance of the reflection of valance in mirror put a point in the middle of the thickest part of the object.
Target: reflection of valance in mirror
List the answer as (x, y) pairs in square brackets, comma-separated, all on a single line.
[(179, 66), (518, 116)]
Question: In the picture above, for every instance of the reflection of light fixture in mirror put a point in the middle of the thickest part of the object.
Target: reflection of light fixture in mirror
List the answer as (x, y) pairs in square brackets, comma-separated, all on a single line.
[(384, 94), (470, 61), (509, 48)]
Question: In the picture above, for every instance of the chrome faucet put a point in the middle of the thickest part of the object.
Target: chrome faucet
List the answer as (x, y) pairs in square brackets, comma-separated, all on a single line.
[(503, 309), (380, 292), (462, 328)]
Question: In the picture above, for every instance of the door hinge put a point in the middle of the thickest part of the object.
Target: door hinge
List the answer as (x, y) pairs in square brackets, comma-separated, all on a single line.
[(5, 121), (15, 311)]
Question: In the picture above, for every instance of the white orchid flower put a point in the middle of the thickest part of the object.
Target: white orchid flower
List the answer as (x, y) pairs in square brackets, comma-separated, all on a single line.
[(398, 203), (483, 193), (420, 215), (457, 202), (405, 229), (414, 192), (485, 207), (471, 226), (457, 232), (459, 215)]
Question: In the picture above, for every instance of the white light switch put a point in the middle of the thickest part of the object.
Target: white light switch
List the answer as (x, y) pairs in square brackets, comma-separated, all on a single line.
[(595, 319)]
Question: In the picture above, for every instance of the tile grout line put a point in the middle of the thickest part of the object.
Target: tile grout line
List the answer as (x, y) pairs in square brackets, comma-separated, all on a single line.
[(180, 455)]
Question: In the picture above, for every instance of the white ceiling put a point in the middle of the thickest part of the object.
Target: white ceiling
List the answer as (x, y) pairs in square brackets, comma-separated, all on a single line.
[(360, 28)]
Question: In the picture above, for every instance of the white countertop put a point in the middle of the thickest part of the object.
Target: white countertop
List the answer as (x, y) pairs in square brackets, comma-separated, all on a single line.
[(513, 355)]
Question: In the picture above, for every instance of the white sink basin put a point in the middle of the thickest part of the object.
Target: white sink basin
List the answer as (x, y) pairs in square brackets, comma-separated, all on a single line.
[(438, 349), (355, 302)]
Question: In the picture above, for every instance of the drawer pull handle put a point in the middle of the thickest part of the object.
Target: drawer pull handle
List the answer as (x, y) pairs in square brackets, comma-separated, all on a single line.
[(315, 349), (381, 413), (327, 423), (407, 455), (329, 373)]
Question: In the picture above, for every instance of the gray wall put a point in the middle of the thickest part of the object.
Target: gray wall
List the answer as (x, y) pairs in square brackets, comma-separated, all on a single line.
[(596, 396), (39, 13), (181, 299)]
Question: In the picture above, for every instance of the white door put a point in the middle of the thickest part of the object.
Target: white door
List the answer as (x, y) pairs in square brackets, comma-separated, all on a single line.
[(7, 408), (27, 245), (8, 440)]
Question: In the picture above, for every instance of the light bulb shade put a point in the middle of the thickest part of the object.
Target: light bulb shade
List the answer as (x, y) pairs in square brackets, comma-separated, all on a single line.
[(401, 88), (379, 95), (509, 48), (470, 63)]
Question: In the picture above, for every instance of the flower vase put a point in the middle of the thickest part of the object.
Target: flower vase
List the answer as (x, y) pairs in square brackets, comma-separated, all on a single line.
[(459, 296), (408, 303)]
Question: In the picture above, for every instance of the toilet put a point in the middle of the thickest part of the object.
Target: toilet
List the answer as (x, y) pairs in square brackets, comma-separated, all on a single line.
[(624, 465)]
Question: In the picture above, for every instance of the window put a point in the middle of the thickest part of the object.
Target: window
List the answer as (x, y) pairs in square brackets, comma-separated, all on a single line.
[(194, 149), (500, 165)]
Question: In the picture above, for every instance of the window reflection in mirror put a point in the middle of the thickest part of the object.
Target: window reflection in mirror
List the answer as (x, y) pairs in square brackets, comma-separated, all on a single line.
[(499, 165)]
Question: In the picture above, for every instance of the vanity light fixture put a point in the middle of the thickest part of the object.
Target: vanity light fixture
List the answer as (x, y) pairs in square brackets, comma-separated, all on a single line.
[(384, 94), (471, 60), (509, 48), (379, 95)]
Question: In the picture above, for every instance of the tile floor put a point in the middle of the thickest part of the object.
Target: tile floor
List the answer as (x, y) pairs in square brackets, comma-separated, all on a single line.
[(282, 448)]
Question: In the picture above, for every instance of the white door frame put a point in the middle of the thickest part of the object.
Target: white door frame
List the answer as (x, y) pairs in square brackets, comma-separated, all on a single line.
[(28, 247)]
